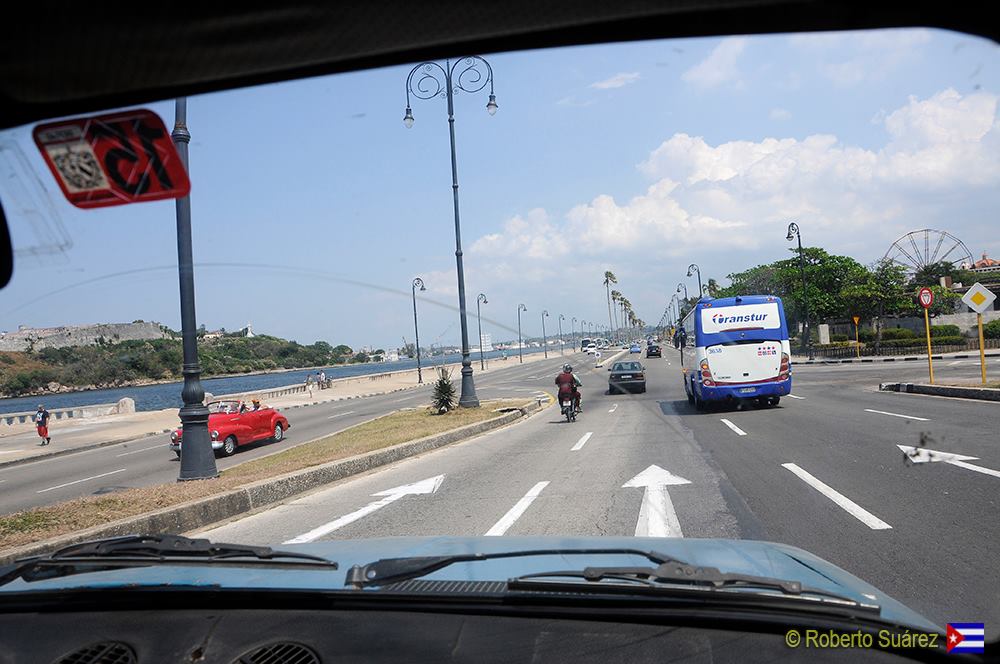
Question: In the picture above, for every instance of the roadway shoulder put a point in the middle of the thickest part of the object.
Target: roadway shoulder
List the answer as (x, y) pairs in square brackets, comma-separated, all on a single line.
[(971, 392)]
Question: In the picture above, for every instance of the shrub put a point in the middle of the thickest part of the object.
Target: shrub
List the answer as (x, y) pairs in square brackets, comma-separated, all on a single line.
[(866, 335), (892, 333), (444, 393), (945, 331), (991, 330), (838, 337), (952, 340)]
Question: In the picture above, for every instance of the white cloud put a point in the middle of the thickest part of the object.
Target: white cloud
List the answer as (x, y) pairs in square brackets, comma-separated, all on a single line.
[(619, 80), (779, 114), (739, 195), (720, 65), (874, 54)]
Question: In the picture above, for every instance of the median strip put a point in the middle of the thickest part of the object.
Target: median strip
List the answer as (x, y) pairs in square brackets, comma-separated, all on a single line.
[(185, 506)]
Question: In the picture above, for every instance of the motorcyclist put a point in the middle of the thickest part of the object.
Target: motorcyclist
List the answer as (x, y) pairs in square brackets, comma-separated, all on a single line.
[(568, 384)]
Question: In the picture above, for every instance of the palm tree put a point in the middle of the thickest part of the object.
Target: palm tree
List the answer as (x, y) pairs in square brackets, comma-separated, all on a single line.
[(616, 297), (712, 287), (609, 278)]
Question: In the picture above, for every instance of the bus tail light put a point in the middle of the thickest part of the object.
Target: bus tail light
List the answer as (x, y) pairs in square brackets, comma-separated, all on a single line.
[(784, 370), (706, 375)]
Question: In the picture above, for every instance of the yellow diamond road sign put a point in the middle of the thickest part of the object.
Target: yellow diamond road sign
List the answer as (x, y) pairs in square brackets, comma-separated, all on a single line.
[(979, 298)]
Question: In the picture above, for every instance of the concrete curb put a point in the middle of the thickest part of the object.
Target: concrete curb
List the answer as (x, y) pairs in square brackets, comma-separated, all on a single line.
[(203, 512), (978, 393), (896, 359)]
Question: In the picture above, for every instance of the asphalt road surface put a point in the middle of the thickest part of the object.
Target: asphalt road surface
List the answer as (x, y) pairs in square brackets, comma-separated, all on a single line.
[(147, 460), (822, 471)]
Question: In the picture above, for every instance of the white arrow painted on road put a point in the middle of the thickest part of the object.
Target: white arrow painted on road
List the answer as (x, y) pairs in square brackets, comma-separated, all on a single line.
[(430, 485), (924, 455), (657, 517)]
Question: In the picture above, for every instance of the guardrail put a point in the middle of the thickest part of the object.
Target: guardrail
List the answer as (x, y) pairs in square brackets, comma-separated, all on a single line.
[(123, 406), (869, 349)]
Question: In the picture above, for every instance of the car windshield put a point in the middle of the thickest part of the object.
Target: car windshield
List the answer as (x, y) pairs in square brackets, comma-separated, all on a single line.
[(412, 253)]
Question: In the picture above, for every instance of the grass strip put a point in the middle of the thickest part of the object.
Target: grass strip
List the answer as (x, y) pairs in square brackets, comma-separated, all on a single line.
[(40, 523)]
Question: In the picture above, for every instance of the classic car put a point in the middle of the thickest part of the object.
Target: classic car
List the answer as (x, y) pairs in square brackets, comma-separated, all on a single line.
[(233, 423)]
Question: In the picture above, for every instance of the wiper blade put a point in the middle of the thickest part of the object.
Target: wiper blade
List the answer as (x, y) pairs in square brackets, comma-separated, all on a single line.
[(144, 550), (680, 574), (394, 570)]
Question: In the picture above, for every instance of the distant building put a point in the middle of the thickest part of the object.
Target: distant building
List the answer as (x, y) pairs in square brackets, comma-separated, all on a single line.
[(985, 264), (27, 338), (392, 356)]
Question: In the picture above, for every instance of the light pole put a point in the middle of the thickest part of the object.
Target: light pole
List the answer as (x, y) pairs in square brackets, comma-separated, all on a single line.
[(520, 308), (590, 327), (680, 310), (479, 317), (793, 234), (428, 85), (559, 321), (416, 330), (197, 456), (694, 267), (545, 342), (572, 333)]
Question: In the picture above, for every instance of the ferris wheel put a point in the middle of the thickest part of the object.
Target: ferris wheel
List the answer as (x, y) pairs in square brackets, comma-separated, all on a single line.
[(918, 249)]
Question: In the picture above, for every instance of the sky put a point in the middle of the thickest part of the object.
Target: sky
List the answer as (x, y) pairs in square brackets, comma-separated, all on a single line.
[(314, 207)]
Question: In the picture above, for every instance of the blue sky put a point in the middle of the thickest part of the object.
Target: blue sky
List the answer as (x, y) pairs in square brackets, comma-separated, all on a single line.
[(640, 158)]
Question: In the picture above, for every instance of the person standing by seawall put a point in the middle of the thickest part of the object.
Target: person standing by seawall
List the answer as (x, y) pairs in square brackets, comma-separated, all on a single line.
[(42, 425)]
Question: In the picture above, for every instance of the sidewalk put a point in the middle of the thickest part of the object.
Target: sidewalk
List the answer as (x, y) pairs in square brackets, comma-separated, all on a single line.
[(21, 443)]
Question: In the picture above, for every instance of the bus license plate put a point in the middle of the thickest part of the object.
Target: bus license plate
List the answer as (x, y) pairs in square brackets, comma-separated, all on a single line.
[(747, 390)]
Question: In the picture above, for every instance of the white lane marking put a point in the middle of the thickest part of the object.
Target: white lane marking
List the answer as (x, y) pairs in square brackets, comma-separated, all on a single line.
[(906, 417), (85, 479), (657, 517), (739, 431), (845, 503), (10, 451), (405, 399), (508, 519), (145, 449), (583, 441), (792, 396), (350, 412), (978, 469), (613, 408), (955, 363), (430, 485)]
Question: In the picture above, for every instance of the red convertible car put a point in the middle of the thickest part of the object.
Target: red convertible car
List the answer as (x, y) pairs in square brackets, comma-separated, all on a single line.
[(234, 423)]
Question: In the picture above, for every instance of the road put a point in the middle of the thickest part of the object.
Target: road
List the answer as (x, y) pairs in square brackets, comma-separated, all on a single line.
[(822, 471), (147, 460)]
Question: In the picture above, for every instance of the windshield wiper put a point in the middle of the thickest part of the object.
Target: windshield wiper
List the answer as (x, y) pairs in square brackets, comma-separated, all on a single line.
[(394, 570), (145, 550), (673, 574)]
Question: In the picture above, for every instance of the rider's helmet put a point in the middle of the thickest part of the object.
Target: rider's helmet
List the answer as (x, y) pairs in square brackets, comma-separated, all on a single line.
[(567, 368)]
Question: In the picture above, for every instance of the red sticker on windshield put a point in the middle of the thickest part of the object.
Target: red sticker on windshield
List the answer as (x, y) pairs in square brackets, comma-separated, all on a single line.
[(113, 159)]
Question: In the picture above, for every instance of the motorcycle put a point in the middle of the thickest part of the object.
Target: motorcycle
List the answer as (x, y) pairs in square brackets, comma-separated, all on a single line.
[(568, 407)]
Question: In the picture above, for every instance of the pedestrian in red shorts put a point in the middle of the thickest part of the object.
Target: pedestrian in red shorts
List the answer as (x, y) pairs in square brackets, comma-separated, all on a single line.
[(42, 424)]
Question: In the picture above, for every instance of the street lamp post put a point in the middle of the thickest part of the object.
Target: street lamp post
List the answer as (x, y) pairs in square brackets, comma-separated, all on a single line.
[(416, 330), (197, 456), (694, 267), (572, 333), (520, 344), (428, 85), (479, 317), (559, 321), (793, 234), (545, 342)]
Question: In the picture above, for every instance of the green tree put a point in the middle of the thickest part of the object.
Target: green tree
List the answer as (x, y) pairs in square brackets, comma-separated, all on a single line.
[(878, 292), (930, 274), (443, 398), (609, 278)]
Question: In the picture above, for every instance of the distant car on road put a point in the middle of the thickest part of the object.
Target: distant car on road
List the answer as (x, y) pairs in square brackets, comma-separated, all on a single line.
[(232, 423), (592, 349), (635, 349), (628, 376), (653, 351)]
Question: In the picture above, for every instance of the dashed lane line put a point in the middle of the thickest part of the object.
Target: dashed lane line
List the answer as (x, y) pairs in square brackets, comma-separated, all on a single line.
[(907, 417), (613, 408), (350, 412), (583, 441), (739, 431), (85, 479), (508, 519), (842, 501), (793, 396)]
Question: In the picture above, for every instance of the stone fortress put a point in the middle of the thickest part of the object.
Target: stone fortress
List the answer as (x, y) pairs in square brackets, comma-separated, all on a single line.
[(27, 338)]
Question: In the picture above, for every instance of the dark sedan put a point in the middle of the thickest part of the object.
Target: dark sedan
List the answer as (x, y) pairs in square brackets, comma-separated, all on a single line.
[(653, 351), (626, 376)]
